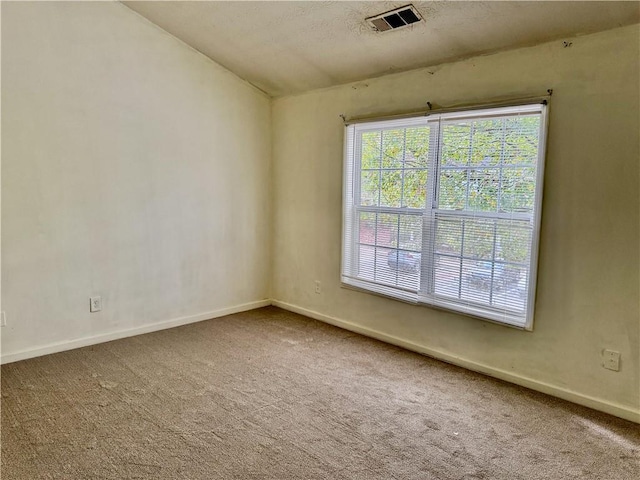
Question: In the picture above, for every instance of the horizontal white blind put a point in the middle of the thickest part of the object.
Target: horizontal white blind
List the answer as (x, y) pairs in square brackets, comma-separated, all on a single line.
[(444, 210), (385, 192)]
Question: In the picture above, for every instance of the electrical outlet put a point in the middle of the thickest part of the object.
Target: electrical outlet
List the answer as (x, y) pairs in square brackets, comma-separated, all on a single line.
[(95, 304), (611, 360), (318, 287), (3, 319)]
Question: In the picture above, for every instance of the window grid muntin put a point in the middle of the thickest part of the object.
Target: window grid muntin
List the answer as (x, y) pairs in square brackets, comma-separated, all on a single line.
[(382, 208), (501, 166), (377, 246), (533, 215)]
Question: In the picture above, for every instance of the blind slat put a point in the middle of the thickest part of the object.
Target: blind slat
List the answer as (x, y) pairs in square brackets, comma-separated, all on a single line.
[(444, 210)]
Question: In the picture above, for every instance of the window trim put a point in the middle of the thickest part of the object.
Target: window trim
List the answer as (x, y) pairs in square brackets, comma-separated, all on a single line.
[(425, 294)]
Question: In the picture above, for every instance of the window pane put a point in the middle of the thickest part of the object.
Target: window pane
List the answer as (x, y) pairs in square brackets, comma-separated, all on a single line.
[(392, 148), (370, 188), (477, 278), (371, 142), (453, 190), (478, 239), (497, 285), (417, 147), (484, 185), (398, 268), (447, 276), (487, 142), (510, 289), (410, 232), (518, 189), (367, 228), (513, 241), (384, 273), (387, 231), (448, 236), (456, 144), (366, 262), (415, 188), (391, 188), (521, 140)]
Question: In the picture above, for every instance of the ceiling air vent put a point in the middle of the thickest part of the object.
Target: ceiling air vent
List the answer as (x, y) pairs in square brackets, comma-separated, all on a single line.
[(394, 19)]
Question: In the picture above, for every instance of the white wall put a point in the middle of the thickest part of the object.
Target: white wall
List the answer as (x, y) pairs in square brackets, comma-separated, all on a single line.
[(132, 168), (588, 287), (136, 169)]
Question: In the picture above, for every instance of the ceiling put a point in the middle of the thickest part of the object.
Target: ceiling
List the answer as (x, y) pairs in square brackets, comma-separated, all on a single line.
[(288, 47)]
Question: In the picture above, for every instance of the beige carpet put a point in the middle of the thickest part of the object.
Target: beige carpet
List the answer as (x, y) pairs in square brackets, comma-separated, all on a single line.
[(269, 394)]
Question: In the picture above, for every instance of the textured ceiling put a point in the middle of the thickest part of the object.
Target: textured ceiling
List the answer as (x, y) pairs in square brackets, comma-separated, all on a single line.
[(290, 47)]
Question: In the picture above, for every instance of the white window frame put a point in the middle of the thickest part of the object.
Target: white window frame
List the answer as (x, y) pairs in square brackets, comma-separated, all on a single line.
[(425, 294)]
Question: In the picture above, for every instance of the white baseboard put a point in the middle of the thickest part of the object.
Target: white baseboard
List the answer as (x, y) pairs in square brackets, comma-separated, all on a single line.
[(617, 410), (107, 337), (596, 403)]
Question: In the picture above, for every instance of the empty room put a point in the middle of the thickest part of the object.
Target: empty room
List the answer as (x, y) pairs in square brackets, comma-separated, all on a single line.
[(320, 240)]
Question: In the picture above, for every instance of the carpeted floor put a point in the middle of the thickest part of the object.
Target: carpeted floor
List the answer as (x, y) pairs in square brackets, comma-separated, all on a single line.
[(269, 394)]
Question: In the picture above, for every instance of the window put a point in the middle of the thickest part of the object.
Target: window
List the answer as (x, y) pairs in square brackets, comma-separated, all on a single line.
[(444, 210)]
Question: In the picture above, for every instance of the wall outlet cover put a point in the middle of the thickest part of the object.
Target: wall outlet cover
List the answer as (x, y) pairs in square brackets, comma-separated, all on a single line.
[(611, 360), (95, 304)]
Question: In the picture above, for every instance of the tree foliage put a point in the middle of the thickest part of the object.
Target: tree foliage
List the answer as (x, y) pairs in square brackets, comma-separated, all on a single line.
[(486, 165)]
